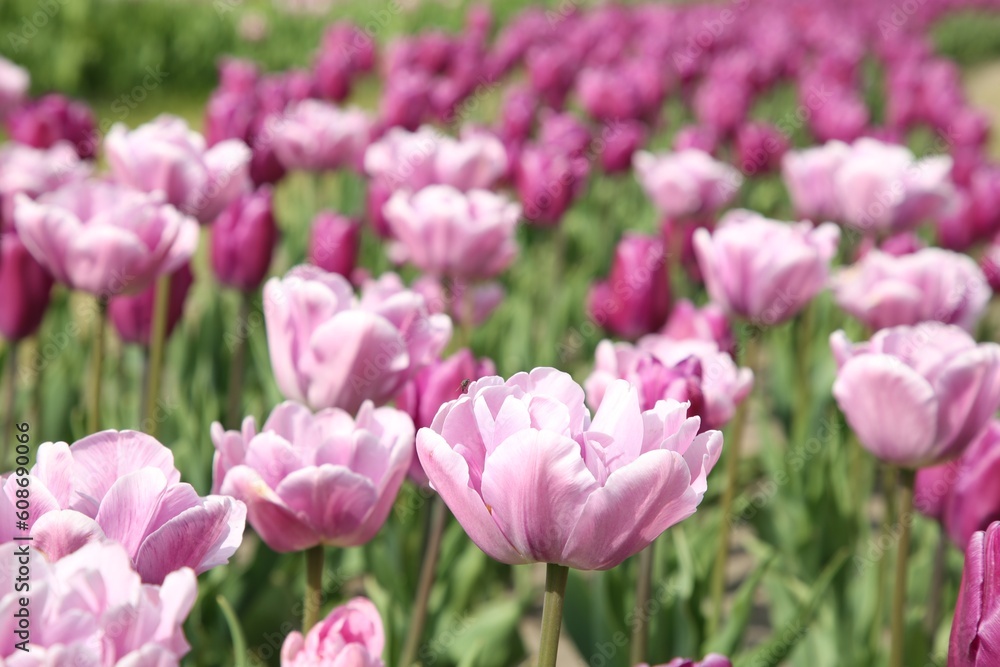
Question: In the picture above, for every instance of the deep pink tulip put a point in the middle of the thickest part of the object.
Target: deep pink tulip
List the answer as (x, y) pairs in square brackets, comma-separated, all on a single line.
[(103, 238), (165, 155), (52, 118), (91, 608), (810, 176), (990, 264), (238, 75), (635, 299), (551, 71), (687, 183), (33, 172), (548, 181), (722, 103), (897, 245), (620, 142), (444, 232), (132, 316), (710, 660), (406, 100), (350, 636), (843, 117), (123, 486), (699, 137), (517, 115), (26, 287), (563, 132), (930, 284), (975, 632), (323, 478), (599, 491), (243, 240), (316, 135), (760, 147), (708, 323), (764, 270), (14, 83), (331, 349), (334, 242), (916, 396)]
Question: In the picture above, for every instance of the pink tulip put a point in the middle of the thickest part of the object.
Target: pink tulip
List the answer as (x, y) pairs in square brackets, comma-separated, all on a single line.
[(330, 349), (722, 103), (323, 478), (707, 323), (165, 155), (406, 100), (635, 299), (551, 71), (103, 238), (810, 176), (33, 172), (760, 147), (517, 114), (990, 265), (563, 132), (687, 183), (14, 82), (444, 232), (123, 486), (401, 158), (350, 636), (897, 245), (334, 242), (710, 660), (698, 137), (91, 608), (919, 395), (26, 287), (531, 479), (974, 632), (931, 284), (843, 117), (763, 270), (132, 316), (548, 181), (243, 240), (476, 161), (623, 139), (316, 135), (53, 118), (465, 303)]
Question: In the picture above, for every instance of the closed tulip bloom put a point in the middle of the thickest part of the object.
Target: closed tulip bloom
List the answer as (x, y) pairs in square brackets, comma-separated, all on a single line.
[(916, 396), (122, 486), (635, 299), (405, 100), (33, 172), (91, 608), (709, 322), (931, 284), (975, 633), (309, 479), (334, 242), (350, 636), (165, 155), (44, 122), (686, 183), (331, 349), (722, 103), (760, 147), (764, 270), (243, 240), (710, 660), (316, 136), (622, 140), (14, 83), (444, 232), (990, 264), (132, 315), (26, 287), (810, 176), (533, 479), (548, 181), (105, 239), (843, 117)]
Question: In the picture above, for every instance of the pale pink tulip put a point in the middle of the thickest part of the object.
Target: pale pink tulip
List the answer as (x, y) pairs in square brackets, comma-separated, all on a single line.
[(350, 636)]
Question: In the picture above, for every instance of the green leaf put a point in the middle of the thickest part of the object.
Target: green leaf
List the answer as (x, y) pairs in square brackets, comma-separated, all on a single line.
[(239, 641), (728, 640)]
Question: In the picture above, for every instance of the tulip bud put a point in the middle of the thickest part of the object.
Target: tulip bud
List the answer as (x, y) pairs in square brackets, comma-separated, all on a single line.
[(53, 118), (25, 286), (132, 315), (333, 244), (974, 633), (243, 240), (623, 139), (635, 300)]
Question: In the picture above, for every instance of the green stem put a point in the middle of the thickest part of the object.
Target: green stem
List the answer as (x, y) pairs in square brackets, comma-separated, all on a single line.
[(157, 338), (233, 403), (314, 587), (97, 368), (552, 610), (937, 585), (640, 631), (906, 479), (889, 476), (8, 422), (439, 515)]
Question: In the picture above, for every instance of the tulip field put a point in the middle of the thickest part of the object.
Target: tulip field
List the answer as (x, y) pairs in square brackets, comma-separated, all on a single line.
[(451, 334)]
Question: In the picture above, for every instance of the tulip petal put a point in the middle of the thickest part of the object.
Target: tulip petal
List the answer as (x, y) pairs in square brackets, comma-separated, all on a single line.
[(59, 533), (971, 385), (281, 528), (334, 500)]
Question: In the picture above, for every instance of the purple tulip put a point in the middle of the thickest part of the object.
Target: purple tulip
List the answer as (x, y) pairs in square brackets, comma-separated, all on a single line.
[(635, 299), (547, 183), (316, 135), (600, 491), (350, 636), (309, 479), (810, 176), (122, 486), (334, 241), (974, 632), (551, 71), (623, 139), (132, 316), (708, 323), (764, 270), (760, 147), (916, 396), (687, 183), (14, 83), (330, 349), (26, 287), (563, 132), (243, 240), (44, 122), (517, 114), (405, 100), (33, 172)]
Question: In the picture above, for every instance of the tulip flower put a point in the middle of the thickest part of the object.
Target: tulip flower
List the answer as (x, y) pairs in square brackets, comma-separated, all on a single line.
[(91, 608), (760, 148), (974, 640), (990, 265), (351, 635), (405, 100), (316, 136), (547, 182), (132, 315), (468, 303), (708, 323), (26, 287), (623, 139), (122, 486), (897, 245), (517, 114), (330, 349), (931, 284), (165, 155), (333, 243), (843, 117), (698, 137), (309, 479), (635, 299), (14, 83), (243, 240), (563, 132), (444, 232), (33, 172), (53, 118), (477, 161), (722, 103), (599, 491), (687, 183), (710, 660), (916, 396), (810, 176)]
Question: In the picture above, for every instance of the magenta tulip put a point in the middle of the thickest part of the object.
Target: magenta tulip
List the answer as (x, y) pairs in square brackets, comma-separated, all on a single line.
[(26, 287), (548, 181), (316, 135), (44, 122), (243, 240), (334, 243), (132, 315), (309, 479), (687, 183), (708, 323), (14, 83), (916, 396), (930, 284), (33, 172), (810, 176), (330, 349), (622, 140), (91, 608), (897, 245), (764, 270), (975, 633), (635, 299), (990, 264), (531, 479), (350, 636), (122, 486), (760, 147)]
